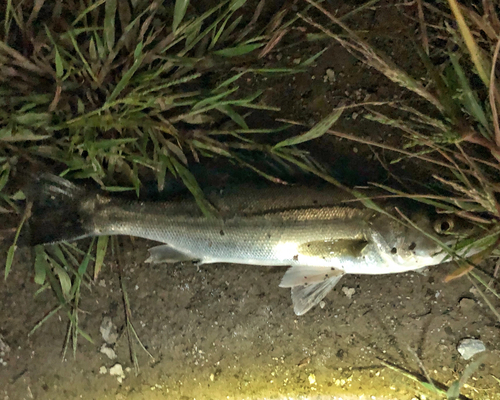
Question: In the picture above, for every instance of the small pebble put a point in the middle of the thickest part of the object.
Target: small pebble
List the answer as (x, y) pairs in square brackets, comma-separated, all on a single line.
[(330, 75), (117, 370), (108, 331), (349, 292), (470, 347), (108, 351), (467, 305)]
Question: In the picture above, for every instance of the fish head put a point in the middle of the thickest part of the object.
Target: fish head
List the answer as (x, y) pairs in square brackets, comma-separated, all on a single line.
[(418, 243)]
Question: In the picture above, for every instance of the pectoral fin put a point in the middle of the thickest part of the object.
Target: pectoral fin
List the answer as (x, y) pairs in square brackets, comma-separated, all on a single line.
[(299, 275), (309, 285), (306, 297), (167, 254)]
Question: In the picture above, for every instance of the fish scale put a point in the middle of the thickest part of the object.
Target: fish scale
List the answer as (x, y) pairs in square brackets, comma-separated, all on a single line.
[(237, 239)]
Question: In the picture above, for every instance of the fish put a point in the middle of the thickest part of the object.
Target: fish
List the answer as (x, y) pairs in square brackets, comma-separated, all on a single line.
[(319, 234)]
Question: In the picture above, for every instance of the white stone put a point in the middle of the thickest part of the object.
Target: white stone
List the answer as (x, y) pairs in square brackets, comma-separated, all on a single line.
[(108, 331), (330, 75), (117, 370), (108, 351), (470, 347), (349, 292)]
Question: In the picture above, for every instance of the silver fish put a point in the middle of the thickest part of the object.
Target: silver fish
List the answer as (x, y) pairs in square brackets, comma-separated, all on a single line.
[(320, 234)]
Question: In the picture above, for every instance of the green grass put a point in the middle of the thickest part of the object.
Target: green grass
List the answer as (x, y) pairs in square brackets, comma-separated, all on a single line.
[(107, 90)]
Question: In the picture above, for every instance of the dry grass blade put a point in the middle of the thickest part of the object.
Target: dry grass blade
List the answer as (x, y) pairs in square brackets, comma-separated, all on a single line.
[(19, 59), (423, 27), (493, 95), (486, 300), (489, 286), (482, 22), (474, 51)]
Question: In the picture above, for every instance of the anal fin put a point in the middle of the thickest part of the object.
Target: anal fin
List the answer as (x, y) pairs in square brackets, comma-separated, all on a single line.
[(166, 254)]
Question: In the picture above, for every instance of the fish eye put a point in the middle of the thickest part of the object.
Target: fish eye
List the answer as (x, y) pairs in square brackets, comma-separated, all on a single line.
[(444, 226)]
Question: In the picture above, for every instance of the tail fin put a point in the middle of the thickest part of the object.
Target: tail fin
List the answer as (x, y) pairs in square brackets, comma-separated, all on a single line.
[(57, 213)]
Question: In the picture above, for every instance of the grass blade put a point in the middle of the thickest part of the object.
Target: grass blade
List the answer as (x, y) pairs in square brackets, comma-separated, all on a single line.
[(192, 185), (179, 13), (138, 58), (317, 131), (229, 111), (453, 392), (59, 65), (474, 51), (102, 245), (470, 99), (45, 318), (13, 246), (64, 279), (109, 24), (41, 265), (239, 50)]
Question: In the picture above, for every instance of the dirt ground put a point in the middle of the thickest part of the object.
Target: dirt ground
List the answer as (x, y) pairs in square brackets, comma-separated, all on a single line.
[(229, 331)]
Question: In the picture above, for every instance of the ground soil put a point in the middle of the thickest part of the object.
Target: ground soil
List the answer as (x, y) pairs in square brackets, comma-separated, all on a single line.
[(228, 331)]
